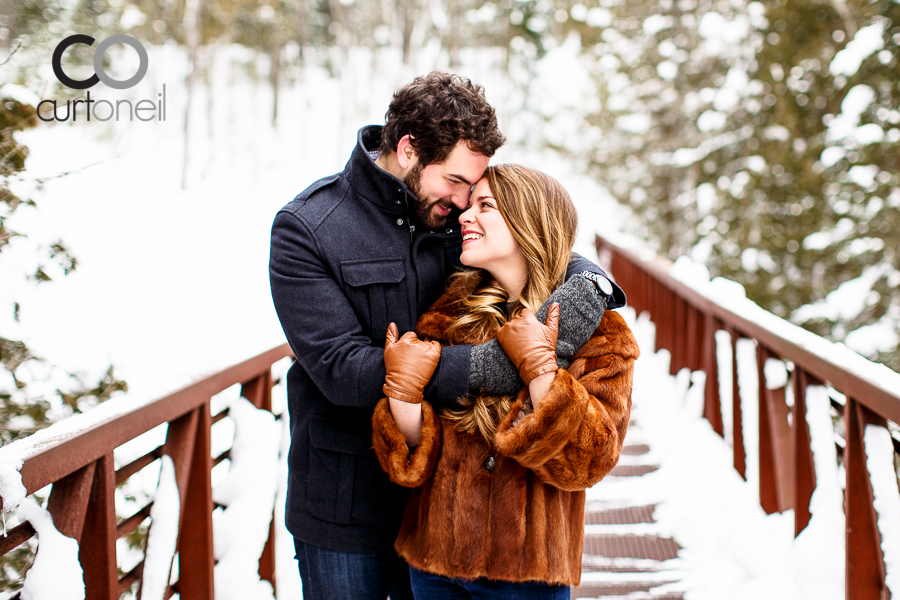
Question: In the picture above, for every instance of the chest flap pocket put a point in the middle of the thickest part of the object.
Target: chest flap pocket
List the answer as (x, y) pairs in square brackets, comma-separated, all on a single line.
[(375, 288)]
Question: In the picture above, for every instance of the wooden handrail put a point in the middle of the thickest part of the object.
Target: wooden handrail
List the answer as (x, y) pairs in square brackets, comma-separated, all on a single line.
[(869, 393), (79, 464), (686, 323), (56, 459)]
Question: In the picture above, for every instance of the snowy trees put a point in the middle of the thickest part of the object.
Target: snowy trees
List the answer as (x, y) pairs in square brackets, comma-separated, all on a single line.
[(762, 139), (32, 393)]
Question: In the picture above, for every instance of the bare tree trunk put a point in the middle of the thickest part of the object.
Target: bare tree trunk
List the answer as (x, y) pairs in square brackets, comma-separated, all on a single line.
[(302, 11), (207, 79), (7, 23), (849, 24), (192, 27), (275, 79), (455, 11), (344, 36), (406, 10)]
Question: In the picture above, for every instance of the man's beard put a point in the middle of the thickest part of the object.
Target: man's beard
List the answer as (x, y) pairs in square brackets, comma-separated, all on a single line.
[(424, 213)]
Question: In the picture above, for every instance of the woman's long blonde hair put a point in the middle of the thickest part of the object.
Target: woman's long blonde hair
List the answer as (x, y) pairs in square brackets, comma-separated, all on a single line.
[(542, 219)]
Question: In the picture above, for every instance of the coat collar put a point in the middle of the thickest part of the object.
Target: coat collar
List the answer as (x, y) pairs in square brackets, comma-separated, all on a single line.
[(371, 181)]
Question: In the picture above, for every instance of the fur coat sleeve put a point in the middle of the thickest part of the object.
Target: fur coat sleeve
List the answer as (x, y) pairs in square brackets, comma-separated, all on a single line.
[(409, 468), (573, 438)]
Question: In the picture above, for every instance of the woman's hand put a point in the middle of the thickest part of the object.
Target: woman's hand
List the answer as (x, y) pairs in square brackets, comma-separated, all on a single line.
[(409, 363), (530, 344)]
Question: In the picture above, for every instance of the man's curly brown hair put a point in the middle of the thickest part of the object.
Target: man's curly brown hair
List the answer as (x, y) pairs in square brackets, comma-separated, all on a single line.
[(437, 111)]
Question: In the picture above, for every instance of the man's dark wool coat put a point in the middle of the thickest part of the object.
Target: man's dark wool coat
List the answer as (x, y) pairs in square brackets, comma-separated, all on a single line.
[(346, 261)]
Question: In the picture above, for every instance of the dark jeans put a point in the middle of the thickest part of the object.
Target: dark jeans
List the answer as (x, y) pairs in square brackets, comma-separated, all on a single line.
[(434, 587), (333, 575)]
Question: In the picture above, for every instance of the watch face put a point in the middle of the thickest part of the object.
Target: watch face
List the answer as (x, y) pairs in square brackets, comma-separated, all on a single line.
[(605, 286)]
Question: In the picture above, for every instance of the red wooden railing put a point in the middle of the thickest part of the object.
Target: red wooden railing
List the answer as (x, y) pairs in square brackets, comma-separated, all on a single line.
[(686, 324), (84, 479)]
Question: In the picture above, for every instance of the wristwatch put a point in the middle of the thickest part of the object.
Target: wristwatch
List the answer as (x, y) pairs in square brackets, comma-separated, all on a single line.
[(601, 284)]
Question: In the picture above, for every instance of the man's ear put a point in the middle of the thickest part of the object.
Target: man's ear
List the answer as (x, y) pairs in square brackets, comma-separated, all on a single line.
[(406, 153)]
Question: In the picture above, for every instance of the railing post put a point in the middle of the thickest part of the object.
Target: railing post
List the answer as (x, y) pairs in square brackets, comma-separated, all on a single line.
[(774, 413), (737, 428), (864, 561), (180, 439), (195, 544), (712, 408), (804, 467), (768, 480), (659, 311), (693, 338), (69, 500), (259, 391), (679, 337), (97, 550)]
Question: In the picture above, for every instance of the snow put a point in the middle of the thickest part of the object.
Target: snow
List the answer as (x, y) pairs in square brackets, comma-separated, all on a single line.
[(845, 125), (822, 572), (880, 464), (56, 573), (164, 520), (776, 373), (880, 336), (863, 175), (731, 548), (748, 380), (724, 361), (19, 93), (11, 489), (248, 494), (845, 302), (656, 23), (713, 26), (866, 41)]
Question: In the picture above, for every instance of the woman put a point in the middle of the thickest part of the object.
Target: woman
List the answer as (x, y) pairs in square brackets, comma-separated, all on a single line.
[(497, 508)]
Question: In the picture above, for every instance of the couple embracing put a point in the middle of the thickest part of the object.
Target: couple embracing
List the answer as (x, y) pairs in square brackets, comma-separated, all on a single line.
[(459, 379)]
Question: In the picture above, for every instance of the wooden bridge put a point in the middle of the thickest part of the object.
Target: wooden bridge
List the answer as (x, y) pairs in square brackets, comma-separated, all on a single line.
[(643, 522)]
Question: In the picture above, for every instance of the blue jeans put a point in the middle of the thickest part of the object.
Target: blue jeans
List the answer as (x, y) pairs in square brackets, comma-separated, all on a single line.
[(427, 586), (332, 575)]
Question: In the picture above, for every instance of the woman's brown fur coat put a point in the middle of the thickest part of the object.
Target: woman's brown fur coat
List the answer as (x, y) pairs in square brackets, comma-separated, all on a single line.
[(525, 520)]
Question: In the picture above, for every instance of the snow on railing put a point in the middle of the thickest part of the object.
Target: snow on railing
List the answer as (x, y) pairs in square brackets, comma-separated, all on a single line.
[(801, 380), (79, 529)]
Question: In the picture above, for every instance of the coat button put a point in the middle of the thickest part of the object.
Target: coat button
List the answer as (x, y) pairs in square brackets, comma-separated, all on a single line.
[(449, 230), (489, 463), (399, 221)]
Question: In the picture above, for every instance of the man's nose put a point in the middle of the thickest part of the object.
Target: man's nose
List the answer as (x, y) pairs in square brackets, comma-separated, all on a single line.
[(459, 201)]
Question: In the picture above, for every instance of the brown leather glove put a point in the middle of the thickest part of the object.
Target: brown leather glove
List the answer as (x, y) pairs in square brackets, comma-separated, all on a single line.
[(410, 363), (530, 344)]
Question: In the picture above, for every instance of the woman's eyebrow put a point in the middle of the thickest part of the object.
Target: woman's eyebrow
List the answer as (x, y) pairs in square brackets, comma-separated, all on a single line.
[(479, 198)]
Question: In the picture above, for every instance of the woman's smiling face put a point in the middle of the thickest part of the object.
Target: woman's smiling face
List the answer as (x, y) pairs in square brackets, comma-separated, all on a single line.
[(488, 242)]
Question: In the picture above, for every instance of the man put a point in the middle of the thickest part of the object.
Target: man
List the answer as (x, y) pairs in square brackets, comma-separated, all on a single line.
[(354, 252)]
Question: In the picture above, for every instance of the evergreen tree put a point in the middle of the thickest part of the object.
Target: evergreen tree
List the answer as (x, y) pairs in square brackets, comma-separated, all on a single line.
[(762, 140)]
